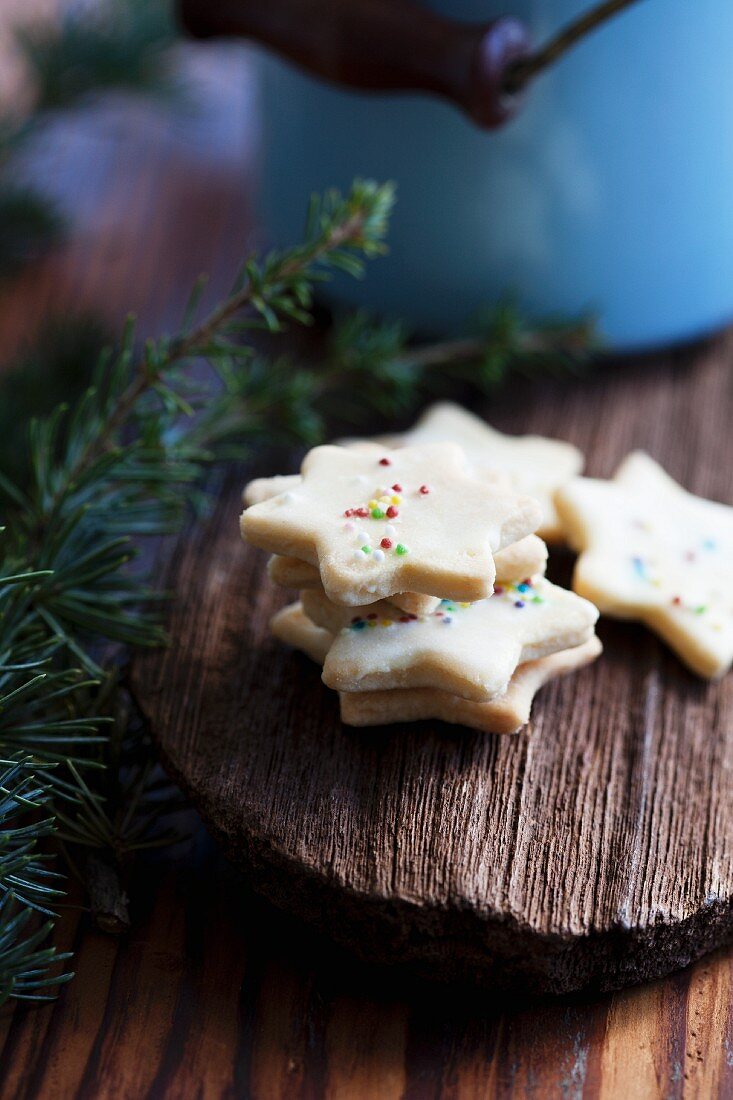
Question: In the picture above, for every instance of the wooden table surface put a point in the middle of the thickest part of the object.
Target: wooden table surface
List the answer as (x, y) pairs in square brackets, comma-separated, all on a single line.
[(214, 994)]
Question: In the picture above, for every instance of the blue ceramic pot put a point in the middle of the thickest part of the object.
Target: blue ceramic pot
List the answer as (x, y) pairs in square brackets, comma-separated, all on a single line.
[(612, 189)]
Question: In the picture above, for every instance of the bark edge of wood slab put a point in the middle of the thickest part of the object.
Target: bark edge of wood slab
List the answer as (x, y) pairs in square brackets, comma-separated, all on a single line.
[(594, 853)]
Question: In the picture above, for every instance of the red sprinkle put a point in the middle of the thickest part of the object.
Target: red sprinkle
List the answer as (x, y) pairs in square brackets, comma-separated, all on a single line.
[(385, 462), (356, 619), (424, 489), (397, 488), (350, 512), (677, 600), (404, 618), (372, 616), (361, 512), (392, 512), (527, 580), (413, 618), (386, 544), (498, 589)]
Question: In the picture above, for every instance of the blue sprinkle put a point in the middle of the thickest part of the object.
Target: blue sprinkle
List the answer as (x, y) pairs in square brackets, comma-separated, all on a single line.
[(522, 587), (447, 619), (640, 567), (360, 625), (519, 603), (709, 544)]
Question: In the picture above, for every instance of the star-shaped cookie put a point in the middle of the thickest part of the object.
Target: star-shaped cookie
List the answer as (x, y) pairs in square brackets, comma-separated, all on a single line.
[(505, 713), (264, 488), (413, 520), (465, 649), (651, 551), (535, 465), (525, 558)]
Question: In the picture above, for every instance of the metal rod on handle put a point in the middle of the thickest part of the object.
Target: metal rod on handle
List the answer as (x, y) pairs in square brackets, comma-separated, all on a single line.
[(525, 70)]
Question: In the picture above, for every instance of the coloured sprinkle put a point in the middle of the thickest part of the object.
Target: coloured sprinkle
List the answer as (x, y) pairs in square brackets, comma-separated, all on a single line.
[(639, 567), (386, 544), (424, 489), (400, 549)]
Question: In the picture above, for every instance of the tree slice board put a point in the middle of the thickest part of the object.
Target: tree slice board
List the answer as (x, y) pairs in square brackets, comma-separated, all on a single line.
[(593, 850)]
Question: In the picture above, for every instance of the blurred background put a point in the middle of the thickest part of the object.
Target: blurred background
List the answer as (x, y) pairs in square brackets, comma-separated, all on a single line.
[(120, 145), (609, 191)]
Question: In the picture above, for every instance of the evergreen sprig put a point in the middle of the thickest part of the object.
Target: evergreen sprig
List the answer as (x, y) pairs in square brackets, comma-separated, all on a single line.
[(125, 462), (114, 45), (129, 460), (28, 964)]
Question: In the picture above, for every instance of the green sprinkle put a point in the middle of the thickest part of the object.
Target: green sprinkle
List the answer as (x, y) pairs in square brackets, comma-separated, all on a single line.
[(701, 609), (377, 513), (366, 549), (537, 599), (400, 549)]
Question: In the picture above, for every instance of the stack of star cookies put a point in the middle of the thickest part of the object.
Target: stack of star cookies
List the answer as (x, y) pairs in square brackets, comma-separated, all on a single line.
[(422, 587)]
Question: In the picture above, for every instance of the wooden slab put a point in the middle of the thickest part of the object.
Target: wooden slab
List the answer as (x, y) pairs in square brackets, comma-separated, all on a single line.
[(594, 851)]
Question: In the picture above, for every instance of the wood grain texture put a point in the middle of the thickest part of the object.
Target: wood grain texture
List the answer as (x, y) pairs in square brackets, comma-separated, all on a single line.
[(593, 852), (215, 995)]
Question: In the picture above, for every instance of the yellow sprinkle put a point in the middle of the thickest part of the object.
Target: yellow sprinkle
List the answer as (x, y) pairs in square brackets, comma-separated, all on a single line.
[(373, 504), (384, 500), (464, 605), (372, 622), (396, 499), (385, 622)]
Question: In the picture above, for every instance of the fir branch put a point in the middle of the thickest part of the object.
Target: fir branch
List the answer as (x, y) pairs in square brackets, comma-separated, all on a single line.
[(116, 45), (368, 366), (340, 233), (119, 466), (27, 886), (129, 461)]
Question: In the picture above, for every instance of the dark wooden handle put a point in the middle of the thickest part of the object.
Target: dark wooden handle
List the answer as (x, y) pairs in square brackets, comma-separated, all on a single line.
[(382, 45)]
